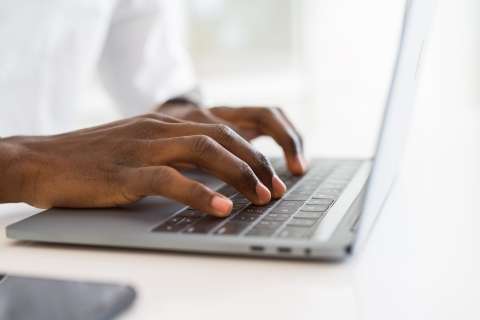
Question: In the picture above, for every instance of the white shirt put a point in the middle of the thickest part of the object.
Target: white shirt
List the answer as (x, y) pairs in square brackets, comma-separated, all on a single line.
[(51, 49)]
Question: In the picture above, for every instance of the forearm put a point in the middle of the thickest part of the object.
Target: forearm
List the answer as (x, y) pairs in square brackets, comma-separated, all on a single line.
[(12, 177)]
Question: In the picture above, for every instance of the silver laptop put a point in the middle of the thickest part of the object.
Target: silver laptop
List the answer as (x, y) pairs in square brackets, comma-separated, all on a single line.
[(324, 215)]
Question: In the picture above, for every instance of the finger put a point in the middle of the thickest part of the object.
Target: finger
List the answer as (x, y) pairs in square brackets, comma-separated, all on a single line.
[(208, 154), (292, 126), (237, 145), (273, 123), (168, 182)]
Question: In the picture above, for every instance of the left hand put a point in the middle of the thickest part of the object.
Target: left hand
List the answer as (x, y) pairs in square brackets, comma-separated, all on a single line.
[(249, 122)]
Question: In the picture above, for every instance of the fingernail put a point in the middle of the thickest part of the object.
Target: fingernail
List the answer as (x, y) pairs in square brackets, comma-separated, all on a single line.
[(264, 195), (279, 187), (221, 205)]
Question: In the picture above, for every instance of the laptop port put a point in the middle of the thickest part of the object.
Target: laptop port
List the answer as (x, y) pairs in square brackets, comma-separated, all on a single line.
[(257, 248), (284, 250)]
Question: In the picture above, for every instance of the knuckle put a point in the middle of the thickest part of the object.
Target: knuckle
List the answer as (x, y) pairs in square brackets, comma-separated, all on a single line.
[(160, 178), (202, 145), (245, 173), (263, 162), (147, 122), (147, 127), (162, 118), (198, 114), (224, 132), (201, 111), (151, 115)]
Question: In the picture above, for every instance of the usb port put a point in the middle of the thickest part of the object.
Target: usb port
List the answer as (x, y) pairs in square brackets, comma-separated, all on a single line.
[(284, 250), (257, 248)]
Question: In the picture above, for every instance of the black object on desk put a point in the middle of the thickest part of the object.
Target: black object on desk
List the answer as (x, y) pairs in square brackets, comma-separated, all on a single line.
[(23, 298)]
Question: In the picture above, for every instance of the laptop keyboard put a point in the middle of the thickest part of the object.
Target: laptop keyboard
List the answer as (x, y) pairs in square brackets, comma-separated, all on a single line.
[(296, 215)]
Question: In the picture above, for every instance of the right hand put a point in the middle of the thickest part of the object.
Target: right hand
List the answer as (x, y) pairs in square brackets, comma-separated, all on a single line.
[(124, 161)]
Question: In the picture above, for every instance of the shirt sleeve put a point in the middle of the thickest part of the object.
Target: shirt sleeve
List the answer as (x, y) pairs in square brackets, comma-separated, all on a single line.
[(144, 61)]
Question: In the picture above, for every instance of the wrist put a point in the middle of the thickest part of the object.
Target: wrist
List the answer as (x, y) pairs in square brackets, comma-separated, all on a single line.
[(14, 170)]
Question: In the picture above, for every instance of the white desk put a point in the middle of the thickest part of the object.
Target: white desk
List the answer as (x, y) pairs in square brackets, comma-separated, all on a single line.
[(420, 262)]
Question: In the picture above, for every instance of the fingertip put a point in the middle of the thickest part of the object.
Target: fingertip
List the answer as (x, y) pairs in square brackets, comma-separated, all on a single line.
[(279, 187), (222, 206), (298, 165), (263, 194)]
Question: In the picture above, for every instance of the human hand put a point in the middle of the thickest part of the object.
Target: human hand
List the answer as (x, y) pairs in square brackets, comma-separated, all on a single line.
[(250, 123), (124, 161)]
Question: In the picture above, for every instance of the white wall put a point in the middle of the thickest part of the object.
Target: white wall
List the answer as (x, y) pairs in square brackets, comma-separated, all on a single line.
[(335, 85)]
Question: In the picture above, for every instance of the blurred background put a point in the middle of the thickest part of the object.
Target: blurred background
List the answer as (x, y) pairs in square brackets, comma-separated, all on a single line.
[(327, 62)]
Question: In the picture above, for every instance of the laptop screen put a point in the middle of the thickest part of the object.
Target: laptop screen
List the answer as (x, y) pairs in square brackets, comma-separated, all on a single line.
[(398, 110)]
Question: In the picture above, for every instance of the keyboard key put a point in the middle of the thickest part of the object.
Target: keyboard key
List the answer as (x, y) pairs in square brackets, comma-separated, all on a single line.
[(232, 228), (165, 227), (297, 197), (315, 208), (245, 217), (305, 188), (333, 185), (309, 215), (312, 182), (174, 224), (205, 225), (238, 207), (255, 210), (277, 217), (294, 232), (316, 177), (288, 207), (195, 214), (285, 210), (260, 232), (320, 201), (175, 219), (301, 192), (268, 224), (319, 195), (227, 191), (240, 198), (302, 222), (289, 204), (329, 191), (290, 181)]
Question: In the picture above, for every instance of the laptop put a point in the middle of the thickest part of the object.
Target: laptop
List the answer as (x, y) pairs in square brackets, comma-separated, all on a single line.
[(325, 215)]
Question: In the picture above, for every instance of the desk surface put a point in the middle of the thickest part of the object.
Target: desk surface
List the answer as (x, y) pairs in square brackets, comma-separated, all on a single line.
[(420, 262)]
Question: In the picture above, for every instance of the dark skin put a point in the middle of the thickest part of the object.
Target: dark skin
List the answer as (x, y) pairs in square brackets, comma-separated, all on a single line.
[(122, 162), (250, 123)]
